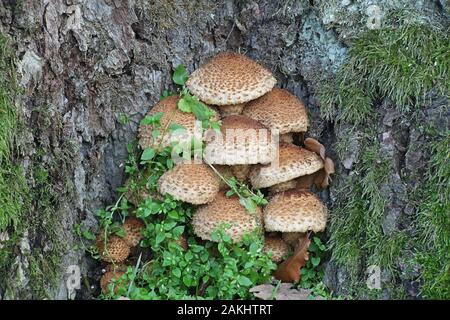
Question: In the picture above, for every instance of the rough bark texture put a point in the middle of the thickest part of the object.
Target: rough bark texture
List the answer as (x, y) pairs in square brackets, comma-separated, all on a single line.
[(85, 63)]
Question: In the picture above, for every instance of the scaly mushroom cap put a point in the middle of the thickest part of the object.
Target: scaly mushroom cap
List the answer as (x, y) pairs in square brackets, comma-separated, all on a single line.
[(283, 186), (133, 227), (278, 247), (295, 211), (116, 249), (172, 115), (293, 162), (225, 210), (279, 109), (190, 182), (231, 110), (111, 277), (230, 78), (292, 238), (242, 141)]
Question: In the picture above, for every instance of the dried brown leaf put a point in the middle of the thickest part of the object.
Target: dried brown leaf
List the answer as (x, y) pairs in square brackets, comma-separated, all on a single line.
[(315, 146), (289, 270), (285, 291)]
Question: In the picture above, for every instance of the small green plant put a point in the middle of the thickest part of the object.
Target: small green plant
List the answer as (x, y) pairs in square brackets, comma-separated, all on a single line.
[(191, 104), (311, 273)]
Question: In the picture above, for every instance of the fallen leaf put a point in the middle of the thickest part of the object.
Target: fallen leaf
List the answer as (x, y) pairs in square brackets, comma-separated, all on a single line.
[(285, 291), (315, 146), (289, 270), (322, 178)]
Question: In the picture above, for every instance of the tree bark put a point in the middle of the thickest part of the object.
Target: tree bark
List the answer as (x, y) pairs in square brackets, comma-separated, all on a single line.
[(86, 65)]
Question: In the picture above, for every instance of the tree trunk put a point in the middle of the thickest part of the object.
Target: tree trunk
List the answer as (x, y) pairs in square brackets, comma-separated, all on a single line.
[(90, 69)]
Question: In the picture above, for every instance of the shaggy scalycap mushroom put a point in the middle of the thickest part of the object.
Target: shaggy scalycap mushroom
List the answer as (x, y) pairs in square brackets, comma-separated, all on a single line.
[(295, 211), (133, 227), (190, 182), (225, 210), (242, 141), (280, 110), (230, 78), (278, 247), (293, 162), (171, 115), (116, 249)]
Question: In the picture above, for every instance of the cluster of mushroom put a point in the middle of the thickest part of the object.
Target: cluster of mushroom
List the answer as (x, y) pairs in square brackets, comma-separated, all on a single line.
[(243, 92), (115, 250)]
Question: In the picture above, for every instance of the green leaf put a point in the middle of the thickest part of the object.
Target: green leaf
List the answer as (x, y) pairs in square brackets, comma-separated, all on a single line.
[(244, 281), (160, 238), (155, 134), (176, 126), (148, 154), (315, 261), (177, 231), (180, 75), (176, 272), (248, 204), (184, 105), (88, 235)]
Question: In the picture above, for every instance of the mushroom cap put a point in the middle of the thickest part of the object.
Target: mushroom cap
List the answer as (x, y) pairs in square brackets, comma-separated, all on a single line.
[(133, 227), (225, 210), (292, 238), (278, 247), (280, 110), (108, 277), (283, 186), (190, 182), (172, 115), (116, 249), (231, 110), (293, 162), (230, 78), (241, 141), (295, 211)]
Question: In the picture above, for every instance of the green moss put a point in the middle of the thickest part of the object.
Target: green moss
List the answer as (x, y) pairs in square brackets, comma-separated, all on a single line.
[(12, 182), (433, 241), (401, 63), (23, 206), (356, 222)]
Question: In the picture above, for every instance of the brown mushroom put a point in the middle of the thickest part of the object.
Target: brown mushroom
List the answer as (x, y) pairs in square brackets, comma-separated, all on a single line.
[(190, 182), (293, 162), (279, 110), (295, 211), (225, 210), (277, 247), (230, 78)]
